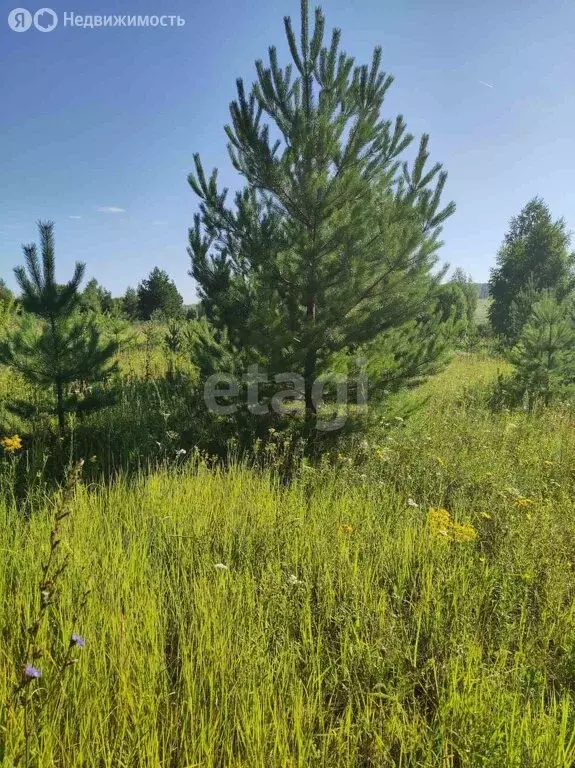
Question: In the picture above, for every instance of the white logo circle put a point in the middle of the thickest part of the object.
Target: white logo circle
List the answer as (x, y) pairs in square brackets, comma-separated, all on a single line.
[(19, 20), (45, 20)]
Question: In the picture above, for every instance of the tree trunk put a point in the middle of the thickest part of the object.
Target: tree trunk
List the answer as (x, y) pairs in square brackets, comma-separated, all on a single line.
[(309, 377), (310, 368), (59, 386), (61, 417)]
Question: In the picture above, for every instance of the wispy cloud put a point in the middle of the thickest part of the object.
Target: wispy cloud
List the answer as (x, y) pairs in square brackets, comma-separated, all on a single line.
[(487, 85), (110, 209), (74, 217), (159, 223)]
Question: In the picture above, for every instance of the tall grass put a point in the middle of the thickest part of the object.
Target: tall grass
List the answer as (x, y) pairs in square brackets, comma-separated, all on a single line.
[(234, 621)]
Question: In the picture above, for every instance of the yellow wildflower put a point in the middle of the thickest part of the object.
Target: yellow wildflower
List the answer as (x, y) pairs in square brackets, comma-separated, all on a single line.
[(346, 528), (522, 501), (11, 444), (441, 524), (463, 532), (439, 517)]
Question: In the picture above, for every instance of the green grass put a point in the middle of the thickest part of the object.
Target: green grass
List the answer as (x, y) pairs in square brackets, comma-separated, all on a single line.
[(379, 644), (481, 312)]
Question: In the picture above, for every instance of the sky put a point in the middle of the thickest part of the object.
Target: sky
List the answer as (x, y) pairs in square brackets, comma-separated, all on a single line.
[(98, 127)]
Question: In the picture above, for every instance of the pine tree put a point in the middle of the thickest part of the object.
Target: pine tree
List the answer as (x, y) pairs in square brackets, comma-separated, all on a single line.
[(534, 258), (158, 294), (130, 304), (55, 345), (544, 358), (332, 240), (172, 343)]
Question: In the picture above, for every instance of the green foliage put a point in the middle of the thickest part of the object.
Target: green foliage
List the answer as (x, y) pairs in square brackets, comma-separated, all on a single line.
[(6, 295), (173, 343), (173, 338), (544, 357), (130, 304), (406, 355), (96, 299), (452, 305), (7, 311), (471, 291), (332, 240), (158, 294), (194, 312), (534, 258), (41, 295), (54, 346), (212, 350), (115, 327)]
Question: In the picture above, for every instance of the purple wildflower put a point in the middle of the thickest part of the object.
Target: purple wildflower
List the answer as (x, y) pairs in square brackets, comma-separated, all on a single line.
[(77, 640), (31, 672)]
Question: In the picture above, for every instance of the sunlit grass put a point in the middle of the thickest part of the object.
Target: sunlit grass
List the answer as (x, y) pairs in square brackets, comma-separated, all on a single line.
[(234, 621)]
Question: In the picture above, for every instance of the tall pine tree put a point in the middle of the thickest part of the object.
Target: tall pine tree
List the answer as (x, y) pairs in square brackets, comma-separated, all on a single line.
[(332, 241)]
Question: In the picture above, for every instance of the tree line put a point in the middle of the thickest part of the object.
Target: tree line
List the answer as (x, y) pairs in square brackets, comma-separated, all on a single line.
[(155, 296), (325, 263)]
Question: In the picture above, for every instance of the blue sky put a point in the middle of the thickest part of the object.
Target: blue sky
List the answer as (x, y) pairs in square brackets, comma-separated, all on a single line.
[(97, 120)]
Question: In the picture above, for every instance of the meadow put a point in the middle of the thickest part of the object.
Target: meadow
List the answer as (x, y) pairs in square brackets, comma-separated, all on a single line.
[(409, 600), (205, 576), (481, 313)]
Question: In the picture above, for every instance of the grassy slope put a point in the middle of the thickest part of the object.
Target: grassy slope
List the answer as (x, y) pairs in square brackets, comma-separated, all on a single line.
[(394, 647)]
